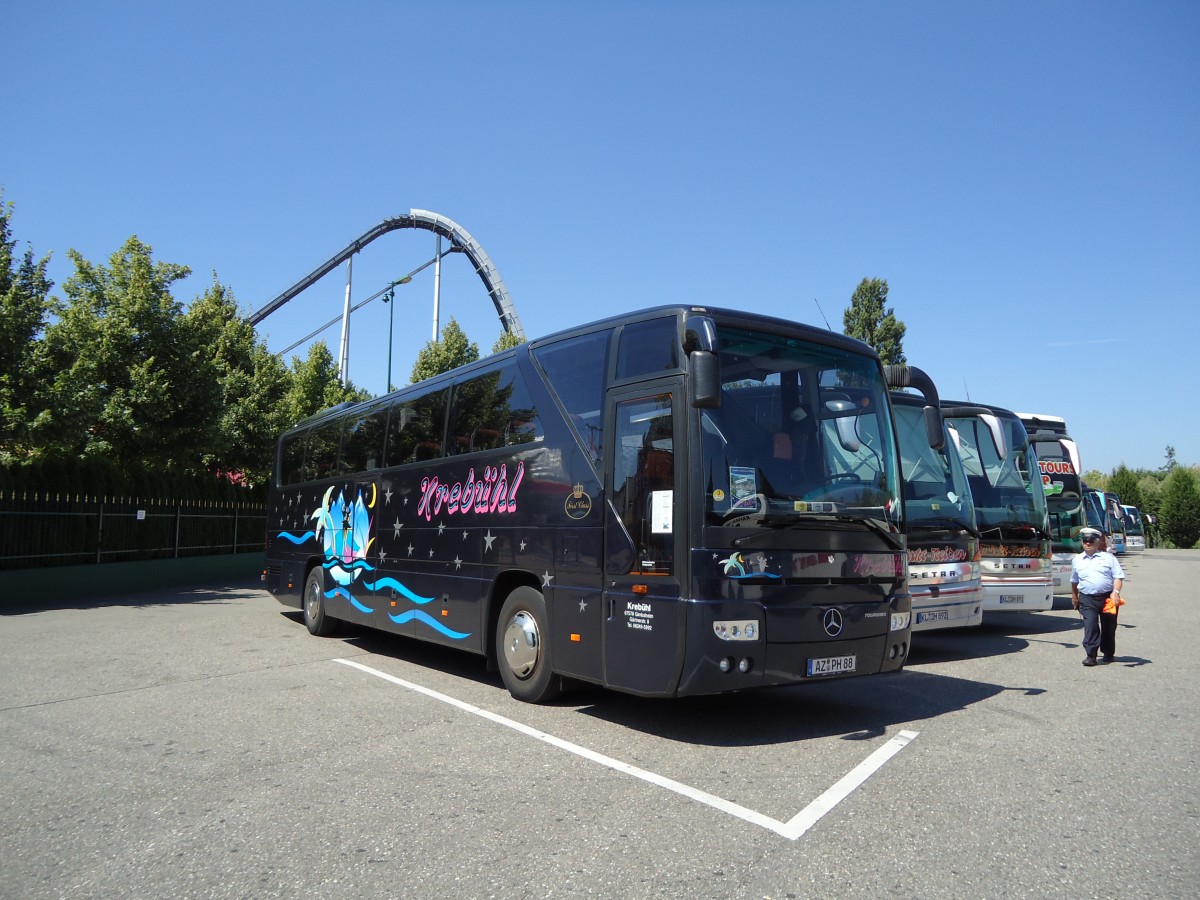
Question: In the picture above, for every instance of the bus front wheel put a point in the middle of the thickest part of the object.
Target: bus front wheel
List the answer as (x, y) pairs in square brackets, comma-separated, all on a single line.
[(523, 649), (315, 617)]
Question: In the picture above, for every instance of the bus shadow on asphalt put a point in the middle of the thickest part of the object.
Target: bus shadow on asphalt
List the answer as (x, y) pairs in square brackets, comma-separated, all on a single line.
[(854, 709), (1000, 635)]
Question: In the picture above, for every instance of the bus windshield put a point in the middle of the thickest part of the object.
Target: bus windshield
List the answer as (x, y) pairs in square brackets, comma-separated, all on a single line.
[(1064, 492), (936, 491), (1062, 478), (1005, 490), (802, 429)]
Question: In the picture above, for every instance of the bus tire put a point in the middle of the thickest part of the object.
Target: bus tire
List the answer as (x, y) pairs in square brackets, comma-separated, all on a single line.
[(315, 618), (523, 648)]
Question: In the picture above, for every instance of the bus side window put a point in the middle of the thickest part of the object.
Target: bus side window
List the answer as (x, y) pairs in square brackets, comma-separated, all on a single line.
[(291, 459), (492, 410), (414, 430), (644, 480), (362, 444), (576, 369), (648, 348), (324, 443), (474, 422)]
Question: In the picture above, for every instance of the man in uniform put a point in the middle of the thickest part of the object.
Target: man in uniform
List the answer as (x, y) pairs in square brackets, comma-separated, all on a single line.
[(1096, 575)]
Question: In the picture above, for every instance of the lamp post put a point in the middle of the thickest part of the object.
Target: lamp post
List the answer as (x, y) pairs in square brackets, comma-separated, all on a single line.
[(388, 299)]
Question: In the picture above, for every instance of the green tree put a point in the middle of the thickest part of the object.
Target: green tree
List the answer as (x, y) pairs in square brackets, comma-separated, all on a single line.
[(251, 382), (315, 386), (506, 340), (1169, 462), (869, 319), (1150, 487), (1095, 480), (24, 301), (1180, 511), (130, 382), (452, 351), (1124, 484)]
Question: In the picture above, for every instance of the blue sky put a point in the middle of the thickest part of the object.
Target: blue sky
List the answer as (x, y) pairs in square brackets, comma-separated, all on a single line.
[(1026, 175)]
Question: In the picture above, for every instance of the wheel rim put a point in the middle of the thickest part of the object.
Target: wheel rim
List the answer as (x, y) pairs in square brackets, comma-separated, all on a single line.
[(522, 644), (312, 605)]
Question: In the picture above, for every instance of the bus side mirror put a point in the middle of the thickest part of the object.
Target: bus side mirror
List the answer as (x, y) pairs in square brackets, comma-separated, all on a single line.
[(997, 430), (846, 425), (706, 379), (935, 430), (847, 433)]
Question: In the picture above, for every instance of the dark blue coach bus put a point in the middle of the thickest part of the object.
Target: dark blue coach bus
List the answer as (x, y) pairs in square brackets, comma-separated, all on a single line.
[(670, 502)]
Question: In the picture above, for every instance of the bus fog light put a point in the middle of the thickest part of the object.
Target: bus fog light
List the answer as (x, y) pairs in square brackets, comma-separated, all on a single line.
[(736, 629), (745, 665), (725, 664), (900, 621)]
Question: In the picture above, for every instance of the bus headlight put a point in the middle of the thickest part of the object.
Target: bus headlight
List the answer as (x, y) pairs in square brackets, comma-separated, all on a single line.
[(736, 629), (900, 620)]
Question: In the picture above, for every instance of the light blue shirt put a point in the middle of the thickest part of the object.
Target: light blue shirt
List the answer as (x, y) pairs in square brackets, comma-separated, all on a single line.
[(1095, 574)]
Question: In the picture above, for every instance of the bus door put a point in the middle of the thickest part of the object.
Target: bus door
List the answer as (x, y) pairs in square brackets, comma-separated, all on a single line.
[(645, 549)]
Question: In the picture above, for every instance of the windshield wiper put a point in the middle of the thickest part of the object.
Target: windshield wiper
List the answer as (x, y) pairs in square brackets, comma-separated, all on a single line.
[(939, 523)]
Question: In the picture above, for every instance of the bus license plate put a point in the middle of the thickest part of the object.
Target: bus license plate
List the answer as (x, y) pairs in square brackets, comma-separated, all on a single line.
[(1011, 598), (831, 665), (934, 615)]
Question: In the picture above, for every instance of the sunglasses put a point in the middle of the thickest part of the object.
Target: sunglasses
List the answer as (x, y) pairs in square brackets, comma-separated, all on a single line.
[(1091, 540)]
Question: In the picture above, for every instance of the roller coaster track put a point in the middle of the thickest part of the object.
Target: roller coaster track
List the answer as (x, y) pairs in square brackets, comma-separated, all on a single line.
[(459, 238)]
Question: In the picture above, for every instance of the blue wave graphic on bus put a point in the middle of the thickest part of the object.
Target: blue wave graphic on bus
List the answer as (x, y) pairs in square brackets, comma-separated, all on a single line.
[(298, 539), (426, 619), (354, 601), (392, 583), (354, 568)]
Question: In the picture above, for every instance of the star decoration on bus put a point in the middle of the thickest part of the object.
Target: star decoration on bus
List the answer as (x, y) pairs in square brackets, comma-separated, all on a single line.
[(488, 540)]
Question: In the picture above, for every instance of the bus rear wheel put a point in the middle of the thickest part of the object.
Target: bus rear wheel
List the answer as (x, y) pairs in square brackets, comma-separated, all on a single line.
[(523, 649), (315, 618)]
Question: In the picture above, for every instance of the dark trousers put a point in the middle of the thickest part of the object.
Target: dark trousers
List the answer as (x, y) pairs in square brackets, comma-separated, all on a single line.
[(1099, 628)]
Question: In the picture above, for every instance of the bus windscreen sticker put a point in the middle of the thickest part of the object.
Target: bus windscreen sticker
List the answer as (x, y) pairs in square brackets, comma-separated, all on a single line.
[(743, 486)]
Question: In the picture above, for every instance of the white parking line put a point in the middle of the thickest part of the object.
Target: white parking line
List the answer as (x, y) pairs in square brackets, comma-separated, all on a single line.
[(792, 829)]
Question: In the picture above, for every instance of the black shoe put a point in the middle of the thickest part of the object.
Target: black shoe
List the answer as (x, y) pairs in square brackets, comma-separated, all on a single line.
[(1090, 661), (1108, 657)]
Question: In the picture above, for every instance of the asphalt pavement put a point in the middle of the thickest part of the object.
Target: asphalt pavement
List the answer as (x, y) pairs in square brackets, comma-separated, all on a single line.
[(200, 743)]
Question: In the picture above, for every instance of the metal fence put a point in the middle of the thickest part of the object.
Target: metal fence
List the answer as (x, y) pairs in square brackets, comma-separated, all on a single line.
[(59, 530)]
